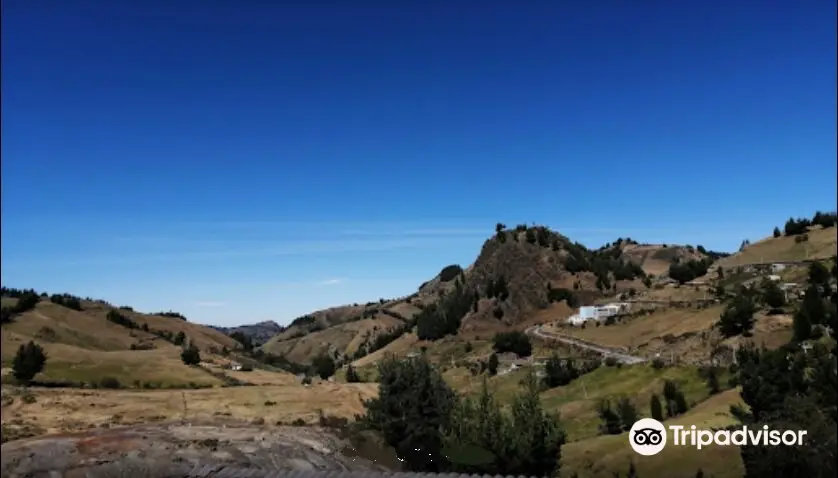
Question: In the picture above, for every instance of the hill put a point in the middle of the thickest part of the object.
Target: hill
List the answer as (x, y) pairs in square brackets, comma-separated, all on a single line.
[(258, 333), (89, 341), (521, 276)]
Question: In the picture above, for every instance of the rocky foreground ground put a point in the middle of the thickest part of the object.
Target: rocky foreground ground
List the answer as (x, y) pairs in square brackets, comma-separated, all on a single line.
[(160, 450)]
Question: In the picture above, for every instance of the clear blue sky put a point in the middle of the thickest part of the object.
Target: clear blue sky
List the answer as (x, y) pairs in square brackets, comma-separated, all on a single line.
[(239, 160)]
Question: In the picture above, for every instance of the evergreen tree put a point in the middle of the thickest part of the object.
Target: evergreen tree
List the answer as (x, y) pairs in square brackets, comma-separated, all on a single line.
[(413, 404), (818, 274), (28, 362), (611, 424), (324, 366), (627, 412), (493, 365), (738, 316), (191, 355), (655, 408)]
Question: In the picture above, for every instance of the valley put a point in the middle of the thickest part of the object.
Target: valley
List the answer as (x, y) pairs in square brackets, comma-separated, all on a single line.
[(496, 322)]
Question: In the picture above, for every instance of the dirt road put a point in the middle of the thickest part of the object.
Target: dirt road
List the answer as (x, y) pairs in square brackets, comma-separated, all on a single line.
[(538, 331)]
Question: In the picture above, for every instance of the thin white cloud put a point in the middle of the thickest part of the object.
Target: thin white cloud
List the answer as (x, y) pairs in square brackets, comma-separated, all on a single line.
[(209, 304), (331, 282)]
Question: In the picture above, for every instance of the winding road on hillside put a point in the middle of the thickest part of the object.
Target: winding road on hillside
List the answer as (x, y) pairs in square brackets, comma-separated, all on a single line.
[(538, 331)]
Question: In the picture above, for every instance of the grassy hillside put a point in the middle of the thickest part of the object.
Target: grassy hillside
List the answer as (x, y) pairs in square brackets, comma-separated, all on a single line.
[(84, 346), (343, 338), (821, 244), (600, 456)]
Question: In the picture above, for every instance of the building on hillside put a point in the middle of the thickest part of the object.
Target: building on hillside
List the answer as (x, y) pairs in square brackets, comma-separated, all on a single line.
[(774, 278), (598, 312), (777, 267), (235, 366)]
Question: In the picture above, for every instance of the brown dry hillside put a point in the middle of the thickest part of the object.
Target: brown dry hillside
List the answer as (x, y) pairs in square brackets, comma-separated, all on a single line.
[(821, 244), (342, 339), (84, 346), (656, 258)]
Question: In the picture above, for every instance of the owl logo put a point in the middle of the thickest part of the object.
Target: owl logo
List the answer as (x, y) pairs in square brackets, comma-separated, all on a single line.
[(647, 436)]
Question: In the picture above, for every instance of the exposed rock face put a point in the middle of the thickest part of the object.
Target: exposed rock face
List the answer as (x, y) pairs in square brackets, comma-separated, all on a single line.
[(173, 450)]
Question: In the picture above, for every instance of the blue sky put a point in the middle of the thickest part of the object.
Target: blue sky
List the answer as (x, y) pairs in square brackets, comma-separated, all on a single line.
[(243, 161)]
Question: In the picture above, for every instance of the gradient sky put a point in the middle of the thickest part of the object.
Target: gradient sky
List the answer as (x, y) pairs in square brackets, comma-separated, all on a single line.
[(240, 161)]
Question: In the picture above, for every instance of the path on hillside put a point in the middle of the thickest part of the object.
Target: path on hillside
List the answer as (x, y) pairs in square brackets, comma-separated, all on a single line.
[(538, 331)]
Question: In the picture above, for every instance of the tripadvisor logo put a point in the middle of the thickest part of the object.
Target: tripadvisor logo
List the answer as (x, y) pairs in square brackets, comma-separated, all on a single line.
[(648, 436)]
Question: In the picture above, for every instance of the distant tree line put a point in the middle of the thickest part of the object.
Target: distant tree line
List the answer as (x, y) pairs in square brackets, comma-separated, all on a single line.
[(692, 269), (794, 227), (172, 314)]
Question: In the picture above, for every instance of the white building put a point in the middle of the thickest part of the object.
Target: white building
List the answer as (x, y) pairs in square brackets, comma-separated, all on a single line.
[(774, 278), (777, 267), (597, 312)]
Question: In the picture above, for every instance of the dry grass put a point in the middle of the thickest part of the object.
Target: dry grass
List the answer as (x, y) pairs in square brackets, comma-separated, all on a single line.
[(822, 244), (62, 410), (601, 456), (643, 329), (399, 347), (346, 338), (83, 346)]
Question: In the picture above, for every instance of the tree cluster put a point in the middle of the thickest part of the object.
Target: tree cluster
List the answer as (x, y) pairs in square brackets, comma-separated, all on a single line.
[(27, 299), (433, 430), (794, 227), (559, 372), (66, 300), (190, 355), (558, 295), (790, 389), (497, 288), (444, 317), (514, 341), (616, 418), (738, 316), (172, 314), (324, 366), (689, 270)]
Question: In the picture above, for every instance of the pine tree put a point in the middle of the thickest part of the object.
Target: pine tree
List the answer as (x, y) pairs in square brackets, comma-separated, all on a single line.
[(655, 408), (190, 354), (28, 362), (493, 365)]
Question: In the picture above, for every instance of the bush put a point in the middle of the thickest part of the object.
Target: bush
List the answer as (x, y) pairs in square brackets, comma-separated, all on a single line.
[(449, 273), (498, 313)]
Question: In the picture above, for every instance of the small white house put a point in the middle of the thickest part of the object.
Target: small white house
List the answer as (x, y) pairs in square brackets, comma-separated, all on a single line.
[(777, 267), (597, 312), (774, 278), (235, 366)]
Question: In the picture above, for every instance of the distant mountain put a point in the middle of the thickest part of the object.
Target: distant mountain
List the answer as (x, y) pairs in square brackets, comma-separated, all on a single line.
[(260, 332)]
